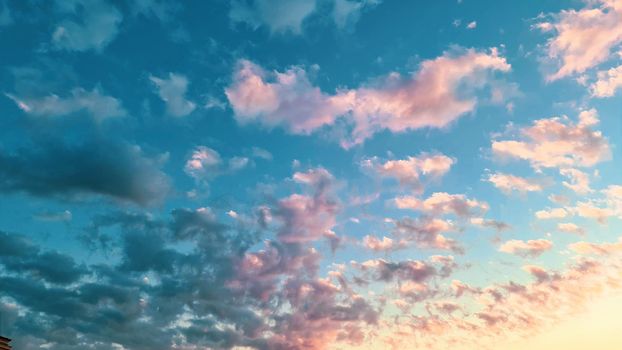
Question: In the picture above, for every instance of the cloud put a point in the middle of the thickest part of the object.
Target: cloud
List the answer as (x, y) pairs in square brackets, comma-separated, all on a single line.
[(98, 25), (94, 102), (608, 83), (509, 183), (590, 210), (530, 248), (427, 233), (586, 248), (289, 16), (408, 172), (53, 169), (427, 99), (309, 217), (278, 15), (442, 203), (22, 257), (408, 270), (173, 92), (556, 213), (290, 100), (568, 227), (204, 163), (347, 12), (495, 224), (385, 244), (63, 216), (579, 181), (583, 38), (558, 142)]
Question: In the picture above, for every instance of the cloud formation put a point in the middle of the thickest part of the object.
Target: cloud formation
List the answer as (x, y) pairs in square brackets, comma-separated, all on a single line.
[(583, 38), (530, 248), (94, 102), (409, 172), (508, 183), (98, 26), (172, 91), (429, 98), (75, 171), (558, 142), (289, 16)]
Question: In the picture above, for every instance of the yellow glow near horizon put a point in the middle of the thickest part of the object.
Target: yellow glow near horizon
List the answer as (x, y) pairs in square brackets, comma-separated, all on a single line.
[(600, 328)]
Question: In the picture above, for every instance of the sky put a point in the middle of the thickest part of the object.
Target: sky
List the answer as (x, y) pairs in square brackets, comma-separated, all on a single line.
[(311, 174)]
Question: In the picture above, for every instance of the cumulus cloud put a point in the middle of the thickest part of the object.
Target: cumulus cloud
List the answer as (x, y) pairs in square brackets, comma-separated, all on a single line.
[(582, 39), (494, 224), (530, 248), (309, 217), (597, 248), (22, 257), (510, 183), (608, 83), (427, 99), (569, 227), (172, 91), (427, 232), (409, 172), (385, 244), (94, 102), (98, 25), (204, 163), (442, 203), (558, 142), (115, 170), (556, 213), (579, 181), (409, 270), (288, 16)]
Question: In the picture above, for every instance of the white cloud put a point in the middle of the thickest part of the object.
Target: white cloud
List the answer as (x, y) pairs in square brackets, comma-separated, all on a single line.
[(97, 27), (93, 102), (173, 92)]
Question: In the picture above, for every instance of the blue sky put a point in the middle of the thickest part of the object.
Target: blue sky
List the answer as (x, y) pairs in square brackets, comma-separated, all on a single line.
[(307, 174)]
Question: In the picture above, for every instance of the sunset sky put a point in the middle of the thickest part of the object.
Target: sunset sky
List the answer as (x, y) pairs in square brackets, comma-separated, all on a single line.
[(311, 174)]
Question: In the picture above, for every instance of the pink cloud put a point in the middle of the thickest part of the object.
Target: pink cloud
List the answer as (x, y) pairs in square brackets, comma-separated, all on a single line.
[(427, 232), (309, 217), (579, 181), (556, 213), (409, 171), (509, 183), (558, 142), (608, 83), (530, 248), (596, 248), (569, 227), (442, 203), (426, 99), (583, 38), (382, 245)]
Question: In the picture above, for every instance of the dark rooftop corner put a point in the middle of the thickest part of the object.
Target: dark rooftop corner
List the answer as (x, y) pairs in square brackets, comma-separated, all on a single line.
[(5, 343)]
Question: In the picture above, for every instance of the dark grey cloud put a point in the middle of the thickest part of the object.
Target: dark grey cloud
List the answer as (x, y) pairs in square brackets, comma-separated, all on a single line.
[(55, 169), (187, 265), (20, 256)]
